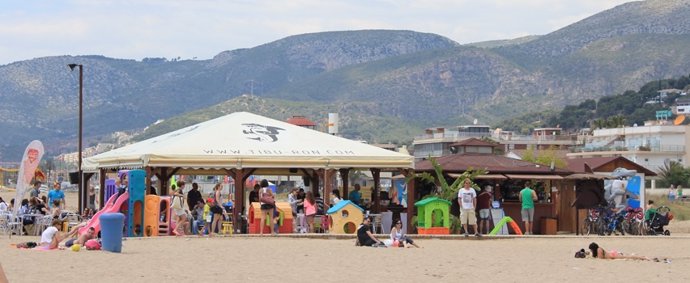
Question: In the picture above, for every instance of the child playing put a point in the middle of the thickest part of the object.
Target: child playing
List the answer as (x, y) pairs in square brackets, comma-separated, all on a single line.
[(207, 215)]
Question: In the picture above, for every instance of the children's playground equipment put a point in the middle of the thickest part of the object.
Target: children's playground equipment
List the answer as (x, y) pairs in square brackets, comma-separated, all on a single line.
[(346, 216), (145, 215), (510, 222), (434, 216), (284, 218)]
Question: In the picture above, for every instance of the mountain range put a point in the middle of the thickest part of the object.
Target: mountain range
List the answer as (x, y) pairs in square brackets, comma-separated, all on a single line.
[(387, 85)]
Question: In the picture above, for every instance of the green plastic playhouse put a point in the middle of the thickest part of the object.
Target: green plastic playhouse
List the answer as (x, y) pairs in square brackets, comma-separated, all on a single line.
[(433, 216)]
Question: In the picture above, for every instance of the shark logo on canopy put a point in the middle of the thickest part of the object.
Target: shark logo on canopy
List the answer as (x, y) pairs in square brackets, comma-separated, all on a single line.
[(262, 133)]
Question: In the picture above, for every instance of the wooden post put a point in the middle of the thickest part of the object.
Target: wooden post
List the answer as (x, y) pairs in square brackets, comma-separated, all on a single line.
[(84, 191), (345, 176), (376, 173), (315, 178), (410, 197), (149, 173), (101, 192), (328, 185), (164, 178), (240, 177), (236, 175)]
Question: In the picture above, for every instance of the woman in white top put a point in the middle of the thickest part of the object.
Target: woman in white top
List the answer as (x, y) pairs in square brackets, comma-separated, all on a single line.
[(399, 238), (51, 237), (3, 205), (178, 210)]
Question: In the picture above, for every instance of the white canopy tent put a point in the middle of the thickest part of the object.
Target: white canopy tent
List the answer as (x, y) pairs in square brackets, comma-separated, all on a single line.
[(247, 140), (241, 144)]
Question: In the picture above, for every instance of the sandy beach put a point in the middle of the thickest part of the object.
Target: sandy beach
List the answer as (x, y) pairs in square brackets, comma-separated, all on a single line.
[(288, 259), (277, 259)]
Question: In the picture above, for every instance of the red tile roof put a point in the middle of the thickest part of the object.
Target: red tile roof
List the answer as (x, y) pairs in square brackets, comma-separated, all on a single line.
[(495, 164), (474, 142), (578, 164), (300, 121)]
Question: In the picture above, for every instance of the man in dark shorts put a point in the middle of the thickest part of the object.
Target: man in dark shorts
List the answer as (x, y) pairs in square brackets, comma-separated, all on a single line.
[(484, 208)]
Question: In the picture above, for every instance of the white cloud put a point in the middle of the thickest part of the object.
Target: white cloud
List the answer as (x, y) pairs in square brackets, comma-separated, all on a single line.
[(157, 28)]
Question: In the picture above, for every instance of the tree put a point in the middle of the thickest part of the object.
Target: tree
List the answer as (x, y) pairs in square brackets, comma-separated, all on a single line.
[(529, 154), (548, 157), (673, 172), (617, 121), (448, 191), (599, 124)]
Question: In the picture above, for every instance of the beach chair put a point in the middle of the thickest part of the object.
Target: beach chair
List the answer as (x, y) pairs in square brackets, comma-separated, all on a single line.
[(377, 224), (42, 223), (15, 225)]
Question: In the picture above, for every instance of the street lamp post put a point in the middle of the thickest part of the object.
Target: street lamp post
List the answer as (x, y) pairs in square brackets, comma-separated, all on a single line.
[(81, 92)]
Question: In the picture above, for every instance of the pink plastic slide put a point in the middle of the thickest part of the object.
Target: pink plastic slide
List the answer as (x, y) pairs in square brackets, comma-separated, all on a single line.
[(110, 207)]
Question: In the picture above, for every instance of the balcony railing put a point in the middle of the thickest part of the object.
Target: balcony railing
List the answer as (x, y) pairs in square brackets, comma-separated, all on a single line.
[(658, 148)]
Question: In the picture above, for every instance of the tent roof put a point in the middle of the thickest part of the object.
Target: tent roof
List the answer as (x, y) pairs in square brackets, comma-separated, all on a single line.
[(246, 140)]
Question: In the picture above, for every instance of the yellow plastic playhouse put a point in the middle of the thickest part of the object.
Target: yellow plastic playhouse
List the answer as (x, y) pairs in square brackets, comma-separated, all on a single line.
[(345, 217)]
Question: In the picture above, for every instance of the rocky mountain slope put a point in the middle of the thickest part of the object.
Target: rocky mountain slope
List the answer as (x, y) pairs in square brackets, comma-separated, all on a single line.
[(408, 79)]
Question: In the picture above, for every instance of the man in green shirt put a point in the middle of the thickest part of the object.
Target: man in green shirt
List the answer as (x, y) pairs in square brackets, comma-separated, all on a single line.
[(527, 196), (651, 210)]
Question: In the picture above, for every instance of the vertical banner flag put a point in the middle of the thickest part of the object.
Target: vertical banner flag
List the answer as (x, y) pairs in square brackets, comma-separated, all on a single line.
[(32, 157)]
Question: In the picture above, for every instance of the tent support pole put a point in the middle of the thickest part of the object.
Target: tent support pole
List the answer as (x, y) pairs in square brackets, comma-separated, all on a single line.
[(375, 195), (344, 175), (410, 197), (328, 185), (149, 173), (240, 177), (101, 193)]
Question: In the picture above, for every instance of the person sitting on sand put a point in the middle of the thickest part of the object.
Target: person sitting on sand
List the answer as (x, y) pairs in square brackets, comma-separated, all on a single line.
[(51, 237), (364, 235), (598, 252), (398, 237), (81, 240)]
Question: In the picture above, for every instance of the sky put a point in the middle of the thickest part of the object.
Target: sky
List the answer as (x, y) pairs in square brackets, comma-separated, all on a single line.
[(200, 29)]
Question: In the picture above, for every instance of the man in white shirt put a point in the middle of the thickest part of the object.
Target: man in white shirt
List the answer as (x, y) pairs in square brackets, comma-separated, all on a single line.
[(467, 199)]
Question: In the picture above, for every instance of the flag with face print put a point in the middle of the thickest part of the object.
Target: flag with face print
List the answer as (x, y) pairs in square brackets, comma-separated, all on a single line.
[(27, 170)]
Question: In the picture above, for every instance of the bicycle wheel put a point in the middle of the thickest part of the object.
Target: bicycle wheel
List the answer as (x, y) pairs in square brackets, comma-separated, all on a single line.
[(626, 227), (587, 226), (600, 226)]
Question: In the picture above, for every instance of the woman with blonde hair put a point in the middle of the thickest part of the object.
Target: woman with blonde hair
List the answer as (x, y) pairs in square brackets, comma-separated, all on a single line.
[(178, 209)]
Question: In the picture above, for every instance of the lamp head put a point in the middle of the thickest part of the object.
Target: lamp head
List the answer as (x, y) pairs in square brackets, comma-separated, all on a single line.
[(72, 66)]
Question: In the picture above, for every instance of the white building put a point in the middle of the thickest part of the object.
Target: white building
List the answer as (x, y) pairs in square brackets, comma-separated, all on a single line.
[(650, 145), (437, 141)]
